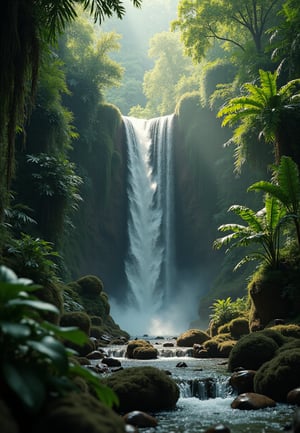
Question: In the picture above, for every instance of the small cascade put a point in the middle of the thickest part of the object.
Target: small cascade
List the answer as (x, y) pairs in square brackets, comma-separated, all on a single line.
[(205, 388)]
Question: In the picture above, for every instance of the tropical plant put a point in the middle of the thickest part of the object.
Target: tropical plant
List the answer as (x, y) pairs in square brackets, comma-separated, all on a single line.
[(262, 107), (263, 228), (34, 363), (285, 188), (34, 258), (224, 310)]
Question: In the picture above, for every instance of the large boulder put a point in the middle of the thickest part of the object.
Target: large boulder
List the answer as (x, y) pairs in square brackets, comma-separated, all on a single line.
[(251, 351), (279, 376), (140, 349), (143, 388), (78, 413), (191, 337)]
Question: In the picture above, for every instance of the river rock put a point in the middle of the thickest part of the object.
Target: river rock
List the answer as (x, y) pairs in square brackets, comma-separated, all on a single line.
[(219, 428), (293, 396), (252, 401), (242, 381), (111, 362), (147, 389), (96, 354), (140, 419)]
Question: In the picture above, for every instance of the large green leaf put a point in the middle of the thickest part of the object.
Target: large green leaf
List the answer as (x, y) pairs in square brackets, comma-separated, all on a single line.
[(35, 304), (52, 349), (15, 330), (71, 333), (24, 381)]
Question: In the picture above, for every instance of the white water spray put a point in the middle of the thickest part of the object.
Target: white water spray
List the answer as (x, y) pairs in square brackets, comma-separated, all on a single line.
[(149, 263)]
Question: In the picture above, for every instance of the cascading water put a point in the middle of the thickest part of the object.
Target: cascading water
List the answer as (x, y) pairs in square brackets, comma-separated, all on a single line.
[(149, 263)]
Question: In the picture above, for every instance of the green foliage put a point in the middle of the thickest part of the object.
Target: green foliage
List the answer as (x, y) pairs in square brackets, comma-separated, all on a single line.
[(286, 189), (261, 107), (33, 258), (34, 363), (233, 23), (262, 229), (224, 310)]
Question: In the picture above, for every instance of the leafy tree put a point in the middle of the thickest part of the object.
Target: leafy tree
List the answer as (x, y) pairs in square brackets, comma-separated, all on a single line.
[(234, 22), (262, 108), (160, 83), (26, 29), (285, 38)]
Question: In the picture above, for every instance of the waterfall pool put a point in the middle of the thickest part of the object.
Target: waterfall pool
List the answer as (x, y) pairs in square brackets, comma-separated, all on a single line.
[(205, 396)]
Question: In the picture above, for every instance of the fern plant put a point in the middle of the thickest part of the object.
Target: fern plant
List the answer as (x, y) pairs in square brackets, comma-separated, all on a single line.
[(262, 229), (262, 106), (285, 188)]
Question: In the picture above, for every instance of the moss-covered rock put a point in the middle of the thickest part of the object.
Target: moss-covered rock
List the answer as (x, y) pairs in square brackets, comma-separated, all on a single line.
[(143, 388), (191, 337), (78, 413), (290, 330), (90, 285), (239, 327), (251, 351), (77, 318), (225, 348), (96, 320), (268, 297), (279, 376), (136, 349)]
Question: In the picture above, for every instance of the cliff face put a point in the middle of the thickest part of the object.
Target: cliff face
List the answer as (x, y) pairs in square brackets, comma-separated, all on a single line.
[(98, 244), (198, 149)]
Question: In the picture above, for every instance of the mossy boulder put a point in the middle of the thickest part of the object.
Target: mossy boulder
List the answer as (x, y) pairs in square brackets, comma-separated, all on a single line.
[(268, 297), (191, 337), (251, 351), (90, 285), (238, 327), (78, 413), (51, 293), (77, 318), (140, 349), (279, 376), (96, 320), (143, 388), (225, 348)]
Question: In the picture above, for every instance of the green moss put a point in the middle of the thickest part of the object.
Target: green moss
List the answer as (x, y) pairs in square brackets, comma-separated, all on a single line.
[(239, 327), (78, 413), (77, 318), (143, 388), (145, 352), (192, 336), (133, 344), (225, 348), (90, 285), (251, 351), (279, 376), (288, 330), (96, 320)]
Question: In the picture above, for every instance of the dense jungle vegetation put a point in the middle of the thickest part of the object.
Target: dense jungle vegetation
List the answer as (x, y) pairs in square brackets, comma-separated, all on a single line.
[(66, 84)]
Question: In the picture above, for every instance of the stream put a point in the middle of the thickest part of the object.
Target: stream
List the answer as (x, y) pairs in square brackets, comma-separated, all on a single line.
[(205, 395)]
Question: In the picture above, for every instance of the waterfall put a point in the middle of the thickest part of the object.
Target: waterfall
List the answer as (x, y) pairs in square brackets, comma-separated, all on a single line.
[(149, 264)]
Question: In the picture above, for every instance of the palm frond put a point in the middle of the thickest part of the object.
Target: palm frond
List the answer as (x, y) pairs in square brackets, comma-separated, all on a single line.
[(247, 215), (288, 180), (268, 81)]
